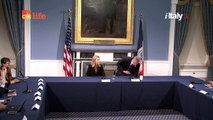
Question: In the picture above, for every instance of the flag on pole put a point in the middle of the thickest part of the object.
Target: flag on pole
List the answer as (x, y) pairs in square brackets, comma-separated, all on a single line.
[(140, 52), (67, 66)]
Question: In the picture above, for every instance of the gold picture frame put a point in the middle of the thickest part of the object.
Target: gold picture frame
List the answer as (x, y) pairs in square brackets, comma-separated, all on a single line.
[(104, 20)]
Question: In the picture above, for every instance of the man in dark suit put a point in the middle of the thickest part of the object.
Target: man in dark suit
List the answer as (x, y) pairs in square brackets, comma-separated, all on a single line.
[(128, 66), (123, 65)]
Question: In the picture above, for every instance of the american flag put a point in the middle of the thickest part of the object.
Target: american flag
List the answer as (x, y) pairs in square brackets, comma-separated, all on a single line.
[(140, 52), (67, 66)]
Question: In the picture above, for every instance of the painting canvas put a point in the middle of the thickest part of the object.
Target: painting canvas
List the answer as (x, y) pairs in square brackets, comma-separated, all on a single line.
[(104, 20)]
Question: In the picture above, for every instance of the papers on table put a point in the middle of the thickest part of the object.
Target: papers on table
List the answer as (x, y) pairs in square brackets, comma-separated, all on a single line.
[(40, 88), (40, 80), (191, 86), (135, 80), (40, 83), (105, 80), (37, 93), (37, 98), (35, 107), (204, 92)]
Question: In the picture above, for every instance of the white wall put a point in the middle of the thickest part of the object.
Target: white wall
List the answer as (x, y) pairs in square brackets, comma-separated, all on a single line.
[(5, 46), (55, 68)]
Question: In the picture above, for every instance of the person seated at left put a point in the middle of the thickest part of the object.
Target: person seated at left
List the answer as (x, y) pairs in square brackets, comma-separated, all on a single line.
[(95, 68), (4, 85), (133, 68), (5, 68)]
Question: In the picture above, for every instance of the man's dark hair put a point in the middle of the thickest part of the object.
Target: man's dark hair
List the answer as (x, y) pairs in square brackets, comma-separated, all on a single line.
[(4, 60)]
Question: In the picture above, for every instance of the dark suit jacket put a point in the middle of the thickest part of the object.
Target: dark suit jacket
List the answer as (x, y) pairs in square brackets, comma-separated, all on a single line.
[(91, 71), (125, 64), (122, 65), (134, 70)]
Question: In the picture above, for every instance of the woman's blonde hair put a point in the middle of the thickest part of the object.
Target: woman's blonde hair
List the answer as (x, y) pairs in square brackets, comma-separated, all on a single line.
[(94, 60)]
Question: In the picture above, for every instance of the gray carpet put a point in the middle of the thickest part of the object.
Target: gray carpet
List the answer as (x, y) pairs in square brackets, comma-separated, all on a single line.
[(165, 114)]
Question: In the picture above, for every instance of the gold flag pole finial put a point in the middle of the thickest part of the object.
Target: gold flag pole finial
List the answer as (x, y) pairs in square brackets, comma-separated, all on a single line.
[(69, 11), (141, 16)]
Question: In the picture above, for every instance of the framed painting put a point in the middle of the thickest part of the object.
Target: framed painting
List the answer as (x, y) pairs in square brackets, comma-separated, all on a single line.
[(104, 20)]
